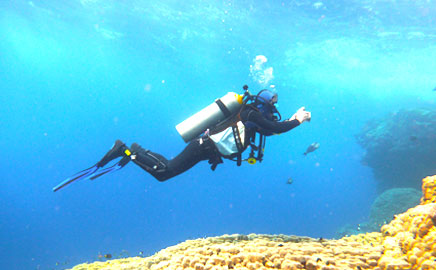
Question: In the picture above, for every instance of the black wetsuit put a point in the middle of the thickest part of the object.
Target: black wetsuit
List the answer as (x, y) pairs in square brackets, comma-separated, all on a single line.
[(199, 150)]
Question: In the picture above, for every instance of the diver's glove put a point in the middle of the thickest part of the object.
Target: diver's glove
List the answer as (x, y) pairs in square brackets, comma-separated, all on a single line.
[(301, 115)]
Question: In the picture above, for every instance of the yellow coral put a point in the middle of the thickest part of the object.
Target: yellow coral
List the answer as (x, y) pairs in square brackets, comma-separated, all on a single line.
[(408, 242), (410, 238), (262, 252), (429, 190)]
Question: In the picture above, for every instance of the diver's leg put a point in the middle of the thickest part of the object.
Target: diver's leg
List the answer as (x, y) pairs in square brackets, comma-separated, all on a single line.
[(117, 150), (163, 169), (147, 160)]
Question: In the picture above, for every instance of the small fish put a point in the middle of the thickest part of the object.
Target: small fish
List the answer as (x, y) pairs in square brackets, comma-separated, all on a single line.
[(108, 256), (290, 181), (413, 138), (61, 263), (311, 148)]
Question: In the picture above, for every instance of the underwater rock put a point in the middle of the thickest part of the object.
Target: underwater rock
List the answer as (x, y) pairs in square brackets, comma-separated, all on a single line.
[(355, 229), (408, 242), (383, 210), (400, 148), (347, 230), (390, 203)]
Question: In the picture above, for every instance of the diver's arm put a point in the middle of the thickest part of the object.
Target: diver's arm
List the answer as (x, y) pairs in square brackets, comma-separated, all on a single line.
[(273, 126)]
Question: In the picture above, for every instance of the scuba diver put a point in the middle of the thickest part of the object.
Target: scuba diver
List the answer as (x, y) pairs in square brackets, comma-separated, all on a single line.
[(224, 129)]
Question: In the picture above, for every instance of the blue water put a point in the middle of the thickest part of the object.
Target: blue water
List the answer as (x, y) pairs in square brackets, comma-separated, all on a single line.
[(77, 75)]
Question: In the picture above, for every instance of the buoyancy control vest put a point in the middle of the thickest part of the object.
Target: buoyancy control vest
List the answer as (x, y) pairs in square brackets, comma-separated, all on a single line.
[(221, 122)]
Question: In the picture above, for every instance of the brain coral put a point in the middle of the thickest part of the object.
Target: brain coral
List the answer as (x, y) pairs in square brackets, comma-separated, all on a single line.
[(408, 242)]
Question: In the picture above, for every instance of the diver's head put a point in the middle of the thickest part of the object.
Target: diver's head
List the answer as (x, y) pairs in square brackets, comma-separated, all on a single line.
[(267, 97), (265, 102)]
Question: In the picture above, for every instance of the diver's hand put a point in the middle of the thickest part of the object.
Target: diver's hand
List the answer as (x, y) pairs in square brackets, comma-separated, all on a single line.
[(301, 115)]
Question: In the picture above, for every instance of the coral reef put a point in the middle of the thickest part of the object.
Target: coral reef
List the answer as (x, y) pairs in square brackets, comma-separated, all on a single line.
[(390, 203), (351, 229), (400, 148), (428, 190), (410, 239), (259, 252), (407, 243)]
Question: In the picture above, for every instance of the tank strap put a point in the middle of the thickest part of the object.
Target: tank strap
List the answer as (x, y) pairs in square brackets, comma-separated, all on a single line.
[(223, 108)]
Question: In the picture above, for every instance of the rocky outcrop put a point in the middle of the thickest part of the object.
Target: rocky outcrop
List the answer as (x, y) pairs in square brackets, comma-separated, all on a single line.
[(390, 203), (401, 147)]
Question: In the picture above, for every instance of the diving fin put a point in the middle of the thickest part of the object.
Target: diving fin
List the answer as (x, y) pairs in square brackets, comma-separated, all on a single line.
[(112, 168), (80, 175), (118, 150)]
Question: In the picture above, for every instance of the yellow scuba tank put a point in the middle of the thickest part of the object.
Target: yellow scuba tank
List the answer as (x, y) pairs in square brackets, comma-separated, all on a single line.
[(209, 116)]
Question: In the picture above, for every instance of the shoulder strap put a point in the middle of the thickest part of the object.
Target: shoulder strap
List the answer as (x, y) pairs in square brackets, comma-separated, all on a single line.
[(231, 120)]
